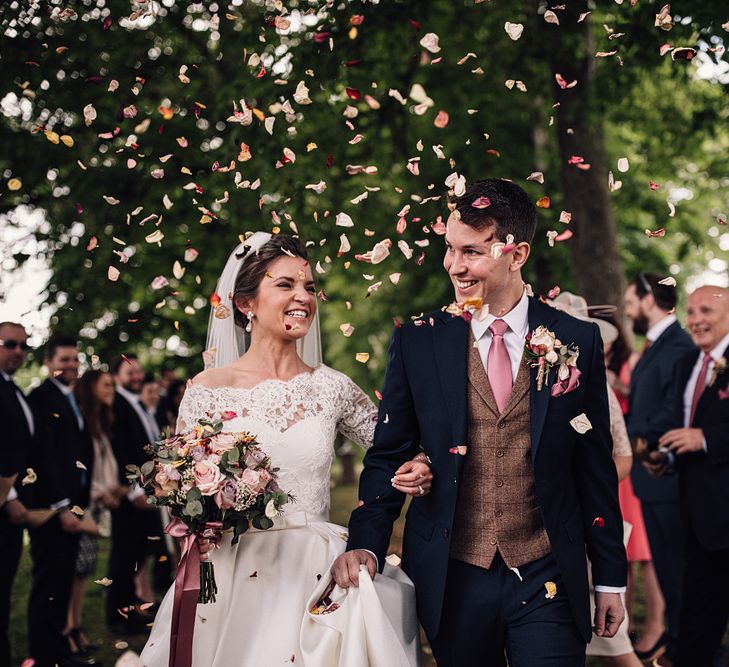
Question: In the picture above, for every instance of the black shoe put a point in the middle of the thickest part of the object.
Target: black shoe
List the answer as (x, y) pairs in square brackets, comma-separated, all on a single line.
[(656, 651)]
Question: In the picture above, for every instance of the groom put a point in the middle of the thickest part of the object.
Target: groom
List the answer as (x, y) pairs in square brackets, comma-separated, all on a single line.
[(497, 550)]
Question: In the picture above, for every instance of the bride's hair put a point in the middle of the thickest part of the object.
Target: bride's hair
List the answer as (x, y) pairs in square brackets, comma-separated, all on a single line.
[(253, 269)]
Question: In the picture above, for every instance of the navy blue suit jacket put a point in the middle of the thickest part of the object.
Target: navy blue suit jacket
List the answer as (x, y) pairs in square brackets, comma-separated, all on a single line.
[(704, 476), (424, 406), (650, 388), (64, 445)]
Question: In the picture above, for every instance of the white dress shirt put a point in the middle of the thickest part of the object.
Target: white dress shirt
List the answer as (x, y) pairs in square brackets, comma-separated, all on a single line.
[(514, 337), (688, 394), (659, 327), (13, 494)]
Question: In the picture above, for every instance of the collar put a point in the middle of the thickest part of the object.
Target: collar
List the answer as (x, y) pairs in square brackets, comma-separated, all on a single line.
[(659, 327), (517, 319), (718, 351), (129, 395), (64, 388)]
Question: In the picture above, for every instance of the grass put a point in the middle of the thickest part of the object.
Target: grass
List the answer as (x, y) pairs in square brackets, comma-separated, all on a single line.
[(344, 499)]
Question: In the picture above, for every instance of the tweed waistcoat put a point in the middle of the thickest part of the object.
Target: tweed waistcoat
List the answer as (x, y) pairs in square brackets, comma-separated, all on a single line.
[(498, 509)]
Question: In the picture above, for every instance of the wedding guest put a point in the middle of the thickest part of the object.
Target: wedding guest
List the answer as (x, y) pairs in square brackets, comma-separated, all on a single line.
[(63, 484), (167, 376), (699, 452), (616, 651), (134, 522), (620, 360), (94, 393), (150, 396), (15, 451), (650, 305)]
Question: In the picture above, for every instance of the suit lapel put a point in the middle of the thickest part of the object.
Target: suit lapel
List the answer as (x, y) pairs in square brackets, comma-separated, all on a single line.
[(539, 314), (450, 337), (710, 392)]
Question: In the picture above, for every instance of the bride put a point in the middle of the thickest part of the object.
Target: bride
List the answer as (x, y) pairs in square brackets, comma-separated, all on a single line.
[(295, 406)]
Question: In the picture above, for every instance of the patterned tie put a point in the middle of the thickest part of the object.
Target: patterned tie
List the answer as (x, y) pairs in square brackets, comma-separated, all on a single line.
[(700, 386), (498, 365)]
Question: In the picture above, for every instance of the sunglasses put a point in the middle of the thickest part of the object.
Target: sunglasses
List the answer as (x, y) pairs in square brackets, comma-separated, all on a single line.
[(12, 344)]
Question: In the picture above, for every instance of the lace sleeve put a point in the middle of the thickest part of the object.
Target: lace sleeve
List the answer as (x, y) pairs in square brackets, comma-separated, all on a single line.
[(358, 416), (194, 405), (621, 443)]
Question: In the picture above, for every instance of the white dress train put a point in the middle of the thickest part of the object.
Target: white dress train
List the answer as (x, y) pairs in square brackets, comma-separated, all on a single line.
[(269, 581)]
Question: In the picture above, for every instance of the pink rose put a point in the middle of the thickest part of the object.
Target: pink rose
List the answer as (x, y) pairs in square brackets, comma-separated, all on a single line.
[(222, 442), (166, 481), (250, 478), (208, 477), (225, 497), (255, 457), (264, 477)]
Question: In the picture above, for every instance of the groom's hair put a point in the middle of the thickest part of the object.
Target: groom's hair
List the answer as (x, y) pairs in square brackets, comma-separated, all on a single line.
[(509, 209), (253, 269)]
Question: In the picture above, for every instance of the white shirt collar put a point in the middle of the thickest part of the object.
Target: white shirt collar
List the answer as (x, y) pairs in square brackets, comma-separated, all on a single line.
[(718, 351), (65, 389), (517, 319), (659, 327), (6, 376), (129, 395)]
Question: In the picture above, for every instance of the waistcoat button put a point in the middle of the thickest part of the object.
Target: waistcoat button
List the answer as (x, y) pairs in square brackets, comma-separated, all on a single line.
[(500, 483), (498, 512), (499, 452), (502, 424)]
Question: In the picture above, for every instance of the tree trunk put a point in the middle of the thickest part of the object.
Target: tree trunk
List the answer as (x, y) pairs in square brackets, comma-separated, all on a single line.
[(597, 265)]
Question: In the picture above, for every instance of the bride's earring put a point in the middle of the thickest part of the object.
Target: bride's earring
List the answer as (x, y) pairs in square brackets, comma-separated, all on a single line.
[(249, 326)]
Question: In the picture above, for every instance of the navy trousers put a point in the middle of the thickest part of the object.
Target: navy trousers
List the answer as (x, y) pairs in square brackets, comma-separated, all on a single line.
[(495, 614)]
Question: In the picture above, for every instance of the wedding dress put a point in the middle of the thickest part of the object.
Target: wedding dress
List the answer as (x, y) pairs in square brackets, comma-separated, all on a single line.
[(270, 581)]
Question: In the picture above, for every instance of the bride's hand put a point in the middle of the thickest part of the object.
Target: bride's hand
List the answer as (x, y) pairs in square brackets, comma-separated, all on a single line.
[(413, 478)]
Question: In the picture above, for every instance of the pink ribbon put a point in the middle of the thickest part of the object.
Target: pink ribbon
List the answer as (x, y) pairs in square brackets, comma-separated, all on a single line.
[(187, 591), (568, 384)]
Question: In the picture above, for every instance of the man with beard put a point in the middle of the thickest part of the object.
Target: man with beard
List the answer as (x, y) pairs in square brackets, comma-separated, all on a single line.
[(18, 431), (134, 522), (650, 305), (63, 469)]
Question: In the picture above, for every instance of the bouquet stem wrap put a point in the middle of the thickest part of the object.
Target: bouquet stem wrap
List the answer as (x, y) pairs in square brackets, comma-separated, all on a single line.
[(188, 591)]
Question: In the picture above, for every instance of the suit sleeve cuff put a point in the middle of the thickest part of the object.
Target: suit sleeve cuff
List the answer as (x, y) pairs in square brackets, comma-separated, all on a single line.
[(60, 504), (610, 589)]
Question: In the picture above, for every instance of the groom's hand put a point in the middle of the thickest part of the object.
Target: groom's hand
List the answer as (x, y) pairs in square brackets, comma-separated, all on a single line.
[(345, 569), (609, 614)]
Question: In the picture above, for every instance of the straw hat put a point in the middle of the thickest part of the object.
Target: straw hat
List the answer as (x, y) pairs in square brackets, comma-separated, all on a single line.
[(575, 305)]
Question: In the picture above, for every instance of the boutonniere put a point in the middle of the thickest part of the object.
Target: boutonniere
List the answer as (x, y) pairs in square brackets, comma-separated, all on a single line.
[(720, 367), (546, 352), (469, 309)]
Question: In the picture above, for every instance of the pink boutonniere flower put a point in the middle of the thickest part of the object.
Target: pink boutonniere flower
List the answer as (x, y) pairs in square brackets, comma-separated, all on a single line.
[(720, 367), (546, 352)]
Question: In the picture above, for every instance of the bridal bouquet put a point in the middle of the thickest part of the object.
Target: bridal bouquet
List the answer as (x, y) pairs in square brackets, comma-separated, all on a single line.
[(211, 480)]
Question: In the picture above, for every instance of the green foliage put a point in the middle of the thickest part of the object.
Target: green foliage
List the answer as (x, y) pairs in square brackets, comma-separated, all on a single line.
[(653, 110)]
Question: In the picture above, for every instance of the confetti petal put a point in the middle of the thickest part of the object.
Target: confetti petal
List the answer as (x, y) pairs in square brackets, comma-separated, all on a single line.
[(581, 423)]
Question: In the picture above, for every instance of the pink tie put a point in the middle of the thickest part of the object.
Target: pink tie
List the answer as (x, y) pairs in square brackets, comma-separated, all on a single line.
[(498, 365), (700, 386)]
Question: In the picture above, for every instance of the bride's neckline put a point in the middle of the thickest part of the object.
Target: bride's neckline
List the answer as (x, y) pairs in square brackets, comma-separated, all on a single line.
[(262, 383)]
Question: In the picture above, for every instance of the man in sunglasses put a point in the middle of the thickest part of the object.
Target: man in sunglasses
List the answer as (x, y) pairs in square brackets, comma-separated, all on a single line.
[(651, 305), (18, 429)]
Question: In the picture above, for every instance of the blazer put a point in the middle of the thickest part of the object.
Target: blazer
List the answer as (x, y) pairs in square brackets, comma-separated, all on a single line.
[(63, 446), (128, 437), (424, 407), (650, 388), (704, 476), (17, 443)]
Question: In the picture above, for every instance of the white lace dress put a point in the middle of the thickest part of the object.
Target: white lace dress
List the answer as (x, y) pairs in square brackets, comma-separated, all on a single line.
[(265, 582)]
